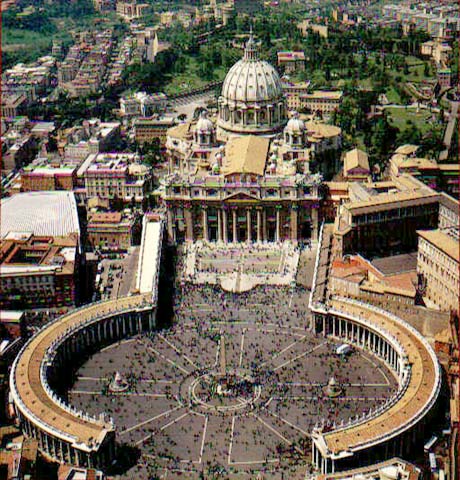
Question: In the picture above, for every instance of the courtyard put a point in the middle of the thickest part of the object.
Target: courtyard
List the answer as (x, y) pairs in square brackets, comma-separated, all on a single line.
[(232, 389)]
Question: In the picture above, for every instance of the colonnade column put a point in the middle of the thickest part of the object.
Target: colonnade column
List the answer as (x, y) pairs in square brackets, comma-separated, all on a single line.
[(248, 224), (259, 226), (234, 226), (205, 224)]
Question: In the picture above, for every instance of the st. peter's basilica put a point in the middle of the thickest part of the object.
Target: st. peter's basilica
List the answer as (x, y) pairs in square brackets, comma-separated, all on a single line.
[(248, 177)]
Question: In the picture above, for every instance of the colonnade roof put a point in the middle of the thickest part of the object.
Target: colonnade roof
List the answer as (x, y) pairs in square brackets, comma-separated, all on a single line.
[(418, 395), (29, 386)]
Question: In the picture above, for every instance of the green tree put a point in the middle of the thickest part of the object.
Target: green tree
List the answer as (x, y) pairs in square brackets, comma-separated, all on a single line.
[(426, 70)]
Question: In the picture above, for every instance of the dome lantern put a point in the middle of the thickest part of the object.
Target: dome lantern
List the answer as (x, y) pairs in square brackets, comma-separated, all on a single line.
[(250, 52)]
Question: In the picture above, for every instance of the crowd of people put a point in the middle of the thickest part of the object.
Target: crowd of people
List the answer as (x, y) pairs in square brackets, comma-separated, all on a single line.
[(290, 363)]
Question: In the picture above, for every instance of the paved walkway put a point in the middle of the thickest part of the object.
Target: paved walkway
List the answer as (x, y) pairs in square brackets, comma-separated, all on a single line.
[(453, 118)]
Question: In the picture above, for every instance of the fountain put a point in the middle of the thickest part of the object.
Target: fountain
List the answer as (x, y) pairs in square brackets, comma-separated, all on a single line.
[(118, 383), (332, 389)]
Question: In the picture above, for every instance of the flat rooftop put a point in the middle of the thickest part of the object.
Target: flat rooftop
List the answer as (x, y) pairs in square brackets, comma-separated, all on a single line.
[(149, 257), (444, 242), (396, 263), (41, 213)]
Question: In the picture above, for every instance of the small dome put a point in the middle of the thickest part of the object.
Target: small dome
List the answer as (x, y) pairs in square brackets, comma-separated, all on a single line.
[(204, 124), (295, 124)]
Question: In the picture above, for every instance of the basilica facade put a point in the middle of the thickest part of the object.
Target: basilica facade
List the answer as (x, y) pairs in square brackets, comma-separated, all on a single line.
[(246, 177)]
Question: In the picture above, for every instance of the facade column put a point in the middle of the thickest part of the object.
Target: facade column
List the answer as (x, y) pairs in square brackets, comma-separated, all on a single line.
[(188, 224), (170, 226), (225, 225), (259, 226), (264, 224), (277, 231), (294, 224), (205, 224), (314, 226), (248, 225), (235, 239), (219, 224)]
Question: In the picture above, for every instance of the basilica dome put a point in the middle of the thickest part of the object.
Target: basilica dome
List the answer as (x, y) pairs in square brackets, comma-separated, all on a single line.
[(252, 99)]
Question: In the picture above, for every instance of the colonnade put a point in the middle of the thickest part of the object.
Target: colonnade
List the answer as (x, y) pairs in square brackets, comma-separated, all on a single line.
[(354, 332), (371, 338), (64, 451), (107, 330), (61, 445), (399, 446), (243, 224), (389, 342)]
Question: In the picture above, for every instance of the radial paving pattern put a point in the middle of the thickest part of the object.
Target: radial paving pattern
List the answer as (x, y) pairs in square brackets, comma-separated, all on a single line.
[(239, 393)]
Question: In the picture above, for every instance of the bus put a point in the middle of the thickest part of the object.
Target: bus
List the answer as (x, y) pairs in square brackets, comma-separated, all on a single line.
[(343, 349)]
